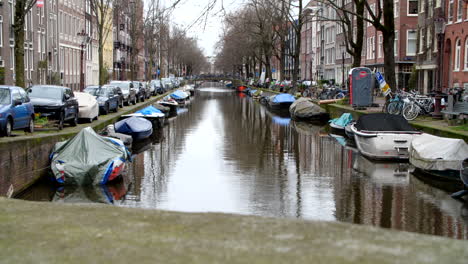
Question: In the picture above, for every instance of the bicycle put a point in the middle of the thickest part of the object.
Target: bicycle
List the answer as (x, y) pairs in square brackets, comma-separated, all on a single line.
[(417, 105)]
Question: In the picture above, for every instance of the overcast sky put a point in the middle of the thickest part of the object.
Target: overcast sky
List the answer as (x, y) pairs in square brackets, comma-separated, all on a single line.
[(187, 12)]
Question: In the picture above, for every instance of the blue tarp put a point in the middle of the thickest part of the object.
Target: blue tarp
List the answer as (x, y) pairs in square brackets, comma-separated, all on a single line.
[(179, 95), (283, 98), (149, 110), (133, 125), (343, 120)]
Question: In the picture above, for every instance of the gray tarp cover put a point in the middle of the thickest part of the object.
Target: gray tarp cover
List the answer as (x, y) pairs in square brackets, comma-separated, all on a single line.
[(85, 157), (304, 108), (429, 152)]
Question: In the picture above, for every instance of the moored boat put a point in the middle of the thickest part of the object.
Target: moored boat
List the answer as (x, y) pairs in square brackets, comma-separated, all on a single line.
[(180, 97), (138, 127), (338, 125), (281, 101), (88, 159), (171, 103), (303, 109), (384, 136), (151, 113), (438, 156)]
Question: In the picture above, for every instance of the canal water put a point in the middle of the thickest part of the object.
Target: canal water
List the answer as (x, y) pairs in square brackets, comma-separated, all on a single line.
[(226, 153)]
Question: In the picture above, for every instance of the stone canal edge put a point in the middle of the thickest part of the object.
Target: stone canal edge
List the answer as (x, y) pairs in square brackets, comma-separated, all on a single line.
[(78, 233)]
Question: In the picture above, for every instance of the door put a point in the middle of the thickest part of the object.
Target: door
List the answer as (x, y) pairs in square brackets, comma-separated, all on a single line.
[(20, 112)]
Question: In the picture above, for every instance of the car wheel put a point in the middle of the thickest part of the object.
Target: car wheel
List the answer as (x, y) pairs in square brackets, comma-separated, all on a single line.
[(8, 128), (134, 101), (74, 121), (30, 128), (121, 103), (116, 108), (61, 121), (106, 109)]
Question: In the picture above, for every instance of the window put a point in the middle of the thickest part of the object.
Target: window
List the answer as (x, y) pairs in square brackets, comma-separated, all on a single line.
[(459, 10), (412, 7), (466, 54), (395, 45), (380, 46), (421, 40), (456, 64), (411, 42), (428, 38), (1, 31), (437, 3), (396, 8), (372, 47), (450, 12)]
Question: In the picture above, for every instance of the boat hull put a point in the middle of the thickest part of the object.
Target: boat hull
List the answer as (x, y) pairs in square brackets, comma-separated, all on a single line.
[(384, 145)]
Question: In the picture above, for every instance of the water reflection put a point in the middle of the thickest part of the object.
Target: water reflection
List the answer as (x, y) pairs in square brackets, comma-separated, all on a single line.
[(226, 153)]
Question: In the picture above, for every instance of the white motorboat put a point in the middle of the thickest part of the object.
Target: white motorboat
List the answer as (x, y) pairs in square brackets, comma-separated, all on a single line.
[(384, 136)]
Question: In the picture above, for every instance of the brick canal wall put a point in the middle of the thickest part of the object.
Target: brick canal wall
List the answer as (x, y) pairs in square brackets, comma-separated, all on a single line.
[(25, 159)]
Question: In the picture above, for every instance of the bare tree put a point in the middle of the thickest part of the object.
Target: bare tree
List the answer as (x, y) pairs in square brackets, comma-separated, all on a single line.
[(102, 11), (22, 8)]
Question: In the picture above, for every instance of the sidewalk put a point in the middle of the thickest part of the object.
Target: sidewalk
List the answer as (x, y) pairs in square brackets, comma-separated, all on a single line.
[(35, 232)]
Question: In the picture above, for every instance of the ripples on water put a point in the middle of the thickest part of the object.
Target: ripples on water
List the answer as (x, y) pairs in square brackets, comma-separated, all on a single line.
[(227, 153)]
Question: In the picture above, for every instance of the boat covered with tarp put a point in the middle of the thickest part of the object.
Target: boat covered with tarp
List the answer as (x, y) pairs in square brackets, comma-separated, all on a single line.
[(281, 101), (88, 159), (151, 113), (438, 156), (303, 109), (137, 127), (180, 96), (341, 122), (384, 136)]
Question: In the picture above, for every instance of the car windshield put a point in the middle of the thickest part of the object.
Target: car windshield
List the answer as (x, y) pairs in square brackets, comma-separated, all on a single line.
[(47, 92), (4, 96), (122, 86), (104, 91)]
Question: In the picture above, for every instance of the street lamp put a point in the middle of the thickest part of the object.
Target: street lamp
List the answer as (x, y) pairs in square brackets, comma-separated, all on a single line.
[(84, 42), (439, 29)]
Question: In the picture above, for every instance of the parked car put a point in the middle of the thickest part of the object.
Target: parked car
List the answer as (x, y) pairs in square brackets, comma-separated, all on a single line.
[(157, 86), (16, 110), (88, 106), (140, 90), (56, 103), (128, 91), (168, 85), (106, 96), (147, 89)]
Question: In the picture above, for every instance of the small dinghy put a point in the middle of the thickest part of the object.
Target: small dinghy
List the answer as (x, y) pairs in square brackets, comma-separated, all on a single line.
[(88, 159), (303, 109), (138, 127), (281, 101), (171, 103), (152, 114), (180, 96), (338, 125), (438, 156), (384, 136)]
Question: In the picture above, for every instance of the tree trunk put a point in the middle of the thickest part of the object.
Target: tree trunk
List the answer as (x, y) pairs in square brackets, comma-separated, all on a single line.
[(18, 29), (282, 59), (357, 48), (388, 44)]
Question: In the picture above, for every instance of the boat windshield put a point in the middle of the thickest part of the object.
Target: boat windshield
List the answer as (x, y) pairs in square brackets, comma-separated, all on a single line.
[(4, 96), (47, 92)]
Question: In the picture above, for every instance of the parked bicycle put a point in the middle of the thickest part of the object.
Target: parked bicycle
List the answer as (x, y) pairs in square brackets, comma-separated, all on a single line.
[(418, 105)]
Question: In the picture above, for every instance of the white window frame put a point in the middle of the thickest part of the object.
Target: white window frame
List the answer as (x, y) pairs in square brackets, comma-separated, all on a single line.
[(407, 8), (395, 43), (456, 62), (1, 31), (450, 15), (380, 50), (459, 10), (466, 55), (421, 40), (415, 41)]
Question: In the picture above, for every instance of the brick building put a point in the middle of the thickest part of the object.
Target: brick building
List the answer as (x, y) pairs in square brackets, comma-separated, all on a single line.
[(455, 49)]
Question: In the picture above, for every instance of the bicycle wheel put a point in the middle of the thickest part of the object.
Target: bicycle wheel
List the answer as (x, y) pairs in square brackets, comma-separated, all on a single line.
[(393, 108), (410, 111)]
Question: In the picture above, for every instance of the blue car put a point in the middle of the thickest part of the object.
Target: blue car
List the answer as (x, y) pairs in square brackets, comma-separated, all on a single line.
[(16, 110)]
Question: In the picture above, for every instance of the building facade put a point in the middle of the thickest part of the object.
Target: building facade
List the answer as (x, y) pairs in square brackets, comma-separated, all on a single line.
[(455, 48)]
